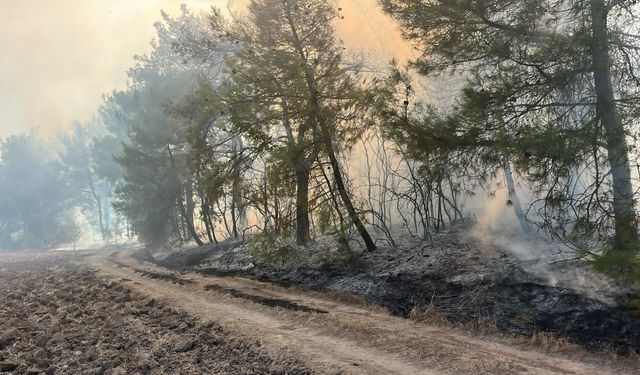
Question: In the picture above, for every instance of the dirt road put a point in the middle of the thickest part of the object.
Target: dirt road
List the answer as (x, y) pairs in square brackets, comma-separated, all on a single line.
[(108, 313), (328, 332)]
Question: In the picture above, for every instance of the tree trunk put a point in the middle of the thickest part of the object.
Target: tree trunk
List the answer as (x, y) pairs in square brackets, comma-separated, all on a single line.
[(98, 202), (302, 204), (346, 199), (207, 225), (235, 194), (625, 216), (265, 192), (106, 198), (206, 217), (183, 211), (223, 213), (179, 222), (334, 200), (190, 207), (190, 228), (234, 217), (319, 125), (513, 196)]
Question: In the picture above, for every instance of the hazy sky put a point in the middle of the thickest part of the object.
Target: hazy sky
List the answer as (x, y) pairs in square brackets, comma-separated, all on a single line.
[(57, 57)]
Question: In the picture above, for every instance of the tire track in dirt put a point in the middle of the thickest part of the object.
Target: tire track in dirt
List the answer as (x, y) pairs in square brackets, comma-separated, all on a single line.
[(383, 345), (325, 353)]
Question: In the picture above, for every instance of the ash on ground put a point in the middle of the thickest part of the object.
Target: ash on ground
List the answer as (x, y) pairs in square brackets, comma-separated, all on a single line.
[(519, 284)]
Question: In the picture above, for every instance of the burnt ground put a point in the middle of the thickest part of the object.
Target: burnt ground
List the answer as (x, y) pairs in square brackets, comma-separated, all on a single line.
[(514, 286), (60, 318), (266, 301)]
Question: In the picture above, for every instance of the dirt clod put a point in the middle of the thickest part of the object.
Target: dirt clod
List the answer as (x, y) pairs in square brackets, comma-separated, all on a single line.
[(8, 366), (184, 346), (8, 337)]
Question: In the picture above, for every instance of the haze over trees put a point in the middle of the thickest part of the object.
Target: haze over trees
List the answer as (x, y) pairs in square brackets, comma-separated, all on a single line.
[(34, 210), (254, 126), (552, 91)]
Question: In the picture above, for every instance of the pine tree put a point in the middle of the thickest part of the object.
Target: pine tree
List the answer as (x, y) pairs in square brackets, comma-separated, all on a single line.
[(156, 192), (552, 83), (289, 89)]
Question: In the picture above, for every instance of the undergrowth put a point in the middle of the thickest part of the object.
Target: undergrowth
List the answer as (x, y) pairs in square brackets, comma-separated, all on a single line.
[(272, 249)]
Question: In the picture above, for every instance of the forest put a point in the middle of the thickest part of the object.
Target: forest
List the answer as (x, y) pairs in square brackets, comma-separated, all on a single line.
[(263, 126), (473, 209)]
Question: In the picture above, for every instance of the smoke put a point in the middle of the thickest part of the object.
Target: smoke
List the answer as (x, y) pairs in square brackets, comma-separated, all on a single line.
[(497, 230), (366, 27), (60, 57), (497, 224)]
